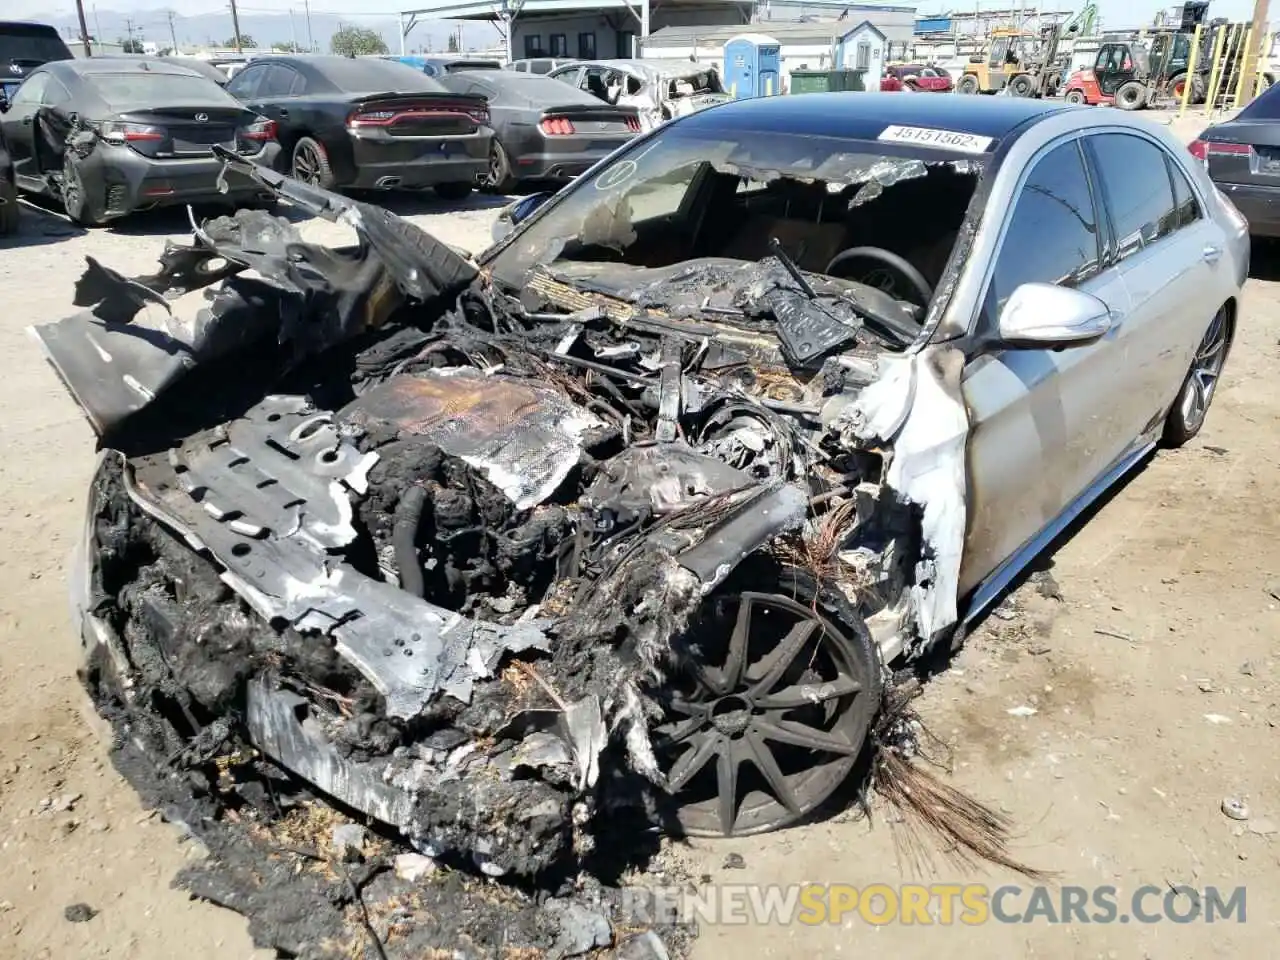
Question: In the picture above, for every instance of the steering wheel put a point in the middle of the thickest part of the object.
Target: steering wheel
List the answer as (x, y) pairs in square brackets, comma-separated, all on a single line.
[(882, 276)]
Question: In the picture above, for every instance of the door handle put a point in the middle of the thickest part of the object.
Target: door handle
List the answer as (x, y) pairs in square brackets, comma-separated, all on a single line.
[(1211, 253), (26, 121), (284, 114)]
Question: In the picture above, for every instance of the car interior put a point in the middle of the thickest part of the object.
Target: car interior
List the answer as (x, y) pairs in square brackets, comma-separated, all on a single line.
[(825, 227)]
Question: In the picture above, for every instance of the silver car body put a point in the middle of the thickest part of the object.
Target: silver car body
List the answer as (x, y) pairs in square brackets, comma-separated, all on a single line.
[(1046, 432), (649, 86)]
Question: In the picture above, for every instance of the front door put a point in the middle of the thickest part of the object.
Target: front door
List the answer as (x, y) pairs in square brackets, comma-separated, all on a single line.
[(1113, 68), (20, 129), (1043, 423)]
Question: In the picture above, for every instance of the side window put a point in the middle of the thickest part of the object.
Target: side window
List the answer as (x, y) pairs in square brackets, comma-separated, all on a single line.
[(55, 94), (1052, 235), (1184, 198), (296, 85), (245, 83), (277, 81), (1135, 187), (32, 90)]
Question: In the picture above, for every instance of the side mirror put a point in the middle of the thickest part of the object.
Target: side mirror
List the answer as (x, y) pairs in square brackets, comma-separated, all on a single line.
[(516, 212), (1046, 316)]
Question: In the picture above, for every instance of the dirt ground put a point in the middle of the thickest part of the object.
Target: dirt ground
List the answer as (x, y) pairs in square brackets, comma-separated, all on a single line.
[(1155, 680)]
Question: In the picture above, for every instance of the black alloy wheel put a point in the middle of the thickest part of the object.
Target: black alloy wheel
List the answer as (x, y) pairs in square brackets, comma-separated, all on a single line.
[(772, 711)]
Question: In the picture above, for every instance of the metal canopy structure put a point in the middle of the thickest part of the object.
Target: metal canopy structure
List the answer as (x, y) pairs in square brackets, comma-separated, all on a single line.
[(506, 11)]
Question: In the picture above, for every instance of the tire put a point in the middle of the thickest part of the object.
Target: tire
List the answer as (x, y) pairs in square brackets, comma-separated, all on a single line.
[(457, 190), (1187, 415), (10, 212), (1131, 96), (499, 178), (1197, 88), (1075, 96), (1021, 86), (968, 84), (309, 162), (826, 659), (74, 201)]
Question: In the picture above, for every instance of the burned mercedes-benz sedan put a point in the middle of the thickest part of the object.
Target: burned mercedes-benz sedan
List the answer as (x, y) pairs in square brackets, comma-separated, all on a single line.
[(634, 512)]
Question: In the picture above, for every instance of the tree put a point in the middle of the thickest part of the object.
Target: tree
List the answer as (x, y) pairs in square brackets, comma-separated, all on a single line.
[(289, 47), (356, 42), (245, 41), (130, 45), (453, 43)]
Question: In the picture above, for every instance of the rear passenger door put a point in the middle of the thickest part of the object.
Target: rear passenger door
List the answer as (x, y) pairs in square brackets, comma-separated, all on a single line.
[(1169, 256), (1044, 424)]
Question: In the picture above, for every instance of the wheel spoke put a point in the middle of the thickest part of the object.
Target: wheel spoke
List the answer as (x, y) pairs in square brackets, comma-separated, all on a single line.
[(727, 783), (807, 694), (774, 664), (670, 734), (737, 656), (764, 761), (692, 761), (800, 735)]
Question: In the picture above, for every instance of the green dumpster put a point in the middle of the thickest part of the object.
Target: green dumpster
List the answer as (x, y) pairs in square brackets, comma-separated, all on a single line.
[(810, 81), (847, 80)]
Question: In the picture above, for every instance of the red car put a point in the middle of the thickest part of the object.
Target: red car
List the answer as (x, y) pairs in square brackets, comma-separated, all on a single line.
[(915, 77)]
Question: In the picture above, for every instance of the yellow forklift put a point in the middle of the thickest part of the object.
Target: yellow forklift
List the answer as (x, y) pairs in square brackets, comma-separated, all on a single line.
[(1017, 62)]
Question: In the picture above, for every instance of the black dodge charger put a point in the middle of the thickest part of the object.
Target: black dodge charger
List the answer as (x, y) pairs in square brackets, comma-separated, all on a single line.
[(368, 123), (110, 136)]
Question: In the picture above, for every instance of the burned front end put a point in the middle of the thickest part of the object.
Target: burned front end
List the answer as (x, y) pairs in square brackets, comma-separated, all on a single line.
[(495, 569)]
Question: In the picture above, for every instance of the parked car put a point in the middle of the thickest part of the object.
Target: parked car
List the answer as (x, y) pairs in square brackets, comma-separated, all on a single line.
[(543, 129), (9, 209), (109, 136), (443, 66), (205, 68), (659, 89), (369, 123), (1242, 156), (915, 77), (538, 65), (23, 47), (777, 398)]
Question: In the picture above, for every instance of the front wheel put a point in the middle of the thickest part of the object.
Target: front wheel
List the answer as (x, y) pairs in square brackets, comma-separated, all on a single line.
[(1131, 96), (1188, 412), (1075, 96), (968, 84), (773, 707), (1021, 86)]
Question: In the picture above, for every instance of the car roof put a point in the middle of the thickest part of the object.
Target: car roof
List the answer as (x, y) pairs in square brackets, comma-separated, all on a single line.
[(864, 116), (120, 64)]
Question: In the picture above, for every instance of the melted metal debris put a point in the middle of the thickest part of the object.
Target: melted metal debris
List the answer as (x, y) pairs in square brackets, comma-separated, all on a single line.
[(440, 553)]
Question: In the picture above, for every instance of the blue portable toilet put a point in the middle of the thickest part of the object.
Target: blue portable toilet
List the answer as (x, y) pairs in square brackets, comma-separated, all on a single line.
[(753, 65)]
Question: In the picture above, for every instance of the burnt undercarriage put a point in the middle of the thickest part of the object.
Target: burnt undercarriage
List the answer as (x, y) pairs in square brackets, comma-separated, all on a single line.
[(496, 574)]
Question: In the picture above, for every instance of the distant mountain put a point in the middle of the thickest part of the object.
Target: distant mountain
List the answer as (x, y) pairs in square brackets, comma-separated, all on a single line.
[(213, 29)]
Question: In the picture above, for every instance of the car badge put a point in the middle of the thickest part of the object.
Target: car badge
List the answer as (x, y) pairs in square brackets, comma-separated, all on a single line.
[(15, 68), (201, 117)]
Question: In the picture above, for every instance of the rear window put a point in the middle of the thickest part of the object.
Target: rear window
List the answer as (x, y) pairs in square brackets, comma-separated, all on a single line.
[(376, 76), (31, 43), (125, 91), (1265, 107)]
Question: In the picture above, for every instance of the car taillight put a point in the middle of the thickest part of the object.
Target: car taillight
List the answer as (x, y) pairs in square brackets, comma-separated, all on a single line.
[(557, 127), (262, 130), (633, 124), (479, 114), (130, 132), (1199, 149)]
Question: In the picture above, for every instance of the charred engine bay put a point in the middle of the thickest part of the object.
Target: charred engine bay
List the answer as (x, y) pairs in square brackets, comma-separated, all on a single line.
[(488, 570)]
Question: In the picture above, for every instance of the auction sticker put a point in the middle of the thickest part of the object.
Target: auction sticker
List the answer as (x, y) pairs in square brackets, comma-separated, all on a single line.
[(942, 139)]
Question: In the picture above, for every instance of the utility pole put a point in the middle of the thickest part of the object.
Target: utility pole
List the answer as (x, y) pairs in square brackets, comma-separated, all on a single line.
[(235, 25), (97, 27), (84, 29), (293, 34), (173, 38), (311, 43), (1249, 62)]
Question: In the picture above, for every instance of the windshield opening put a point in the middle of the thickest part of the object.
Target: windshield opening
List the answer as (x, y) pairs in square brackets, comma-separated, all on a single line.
[(682, 197), (131, 91)]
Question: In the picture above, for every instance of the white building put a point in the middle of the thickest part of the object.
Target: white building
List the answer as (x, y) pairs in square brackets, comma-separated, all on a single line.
[(825, 45), (604, 29)]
